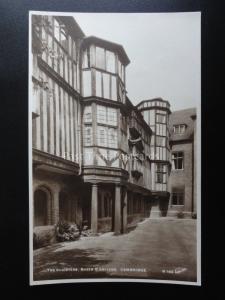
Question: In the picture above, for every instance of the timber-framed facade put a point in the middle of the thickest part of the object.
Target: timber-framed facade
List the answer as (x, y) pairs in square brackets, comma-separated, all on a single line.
[(97, 159)]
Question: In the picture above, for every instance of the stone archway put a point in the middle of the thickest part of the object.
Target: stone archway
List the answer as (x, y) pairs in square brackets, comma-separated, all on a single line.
[(42, 207)]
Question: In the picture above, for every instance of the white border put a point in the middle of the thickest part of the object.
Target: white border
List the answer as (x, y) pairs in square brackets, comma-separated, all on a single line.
[(198, 183)]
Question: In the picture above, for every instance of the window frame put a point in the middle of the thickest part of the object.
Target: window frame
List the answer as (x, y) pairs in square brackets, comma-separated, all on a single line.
[(177, 128), (161, 172), (180, 194), (176, 159)]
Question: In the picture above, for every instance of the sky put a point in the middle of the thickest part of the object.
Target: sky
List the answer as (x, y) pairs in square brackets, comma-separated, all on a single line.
[(164, 50)]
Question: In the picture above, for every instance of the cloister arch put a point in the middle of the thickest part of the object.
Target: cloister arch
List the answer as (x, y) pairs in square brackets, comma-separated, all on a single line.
[(42, 206)]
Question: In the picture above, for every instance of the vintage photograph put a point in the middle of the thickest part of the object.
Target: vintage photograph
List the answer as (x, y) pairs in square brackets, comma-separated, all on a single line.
[(114, 152)]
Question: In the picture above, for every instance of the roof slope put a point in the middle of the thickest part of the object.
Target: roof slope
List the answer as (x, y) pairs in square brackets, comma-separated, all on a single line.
[(182, 117)]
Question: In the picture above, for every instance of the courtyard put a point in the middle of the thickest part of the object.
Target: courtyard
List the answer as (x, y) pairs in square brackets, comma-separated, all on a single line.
[(162, 248)]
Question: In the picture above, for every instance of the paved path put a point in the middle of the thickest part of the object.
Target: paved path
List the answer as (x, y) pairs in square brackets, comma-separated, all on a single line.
[(156, 249)]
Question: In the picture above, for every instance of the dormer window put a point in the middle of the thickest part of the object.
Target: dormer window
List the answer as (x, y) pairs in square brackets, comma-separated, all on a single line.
[(179, 129)]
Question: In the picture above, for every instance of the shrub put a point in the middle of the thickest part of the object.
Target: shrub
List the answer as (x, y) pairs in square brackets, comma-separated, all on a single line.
[(66, 232)]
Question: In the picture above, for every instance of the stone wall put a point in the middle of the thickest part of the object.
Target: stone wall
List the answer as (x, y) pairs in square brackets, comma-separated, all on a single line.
[(183, 177)]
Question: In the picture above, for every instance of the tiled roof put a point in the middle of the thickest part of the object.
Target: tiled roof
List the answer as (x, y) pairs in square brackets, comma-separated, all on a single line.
[(182, 117)]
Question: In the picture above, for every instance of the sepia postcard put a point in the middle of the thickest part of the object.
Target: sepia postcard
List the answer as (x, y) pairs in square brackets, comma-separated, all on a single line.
[(114, 147)]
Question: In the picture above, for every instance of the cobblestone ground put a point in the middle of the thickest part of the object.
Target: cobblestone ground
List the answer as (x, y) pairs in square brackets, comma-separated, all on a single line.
[(156, 249)]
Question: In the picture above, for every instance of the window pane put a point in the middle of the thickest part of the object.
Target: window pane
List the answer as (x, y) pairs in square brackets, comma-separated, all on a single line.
[(180, 163), (112, 116), (98, 84), (87, 83), (159, 178), (88, 156), (174, 199), (110, 61), (114, 88), (101, 114), (85, 63), (176, 164), (164, 130), (106, 83), (112, 137), (160, 141), (100, 58), (88, 135), (92, 55), (102, 136), (87, 114)]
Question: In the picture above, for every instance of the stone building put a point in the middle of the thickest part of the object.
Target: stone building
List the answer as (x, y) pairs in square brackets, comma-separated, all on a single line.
[(97, 159), (182, 179)]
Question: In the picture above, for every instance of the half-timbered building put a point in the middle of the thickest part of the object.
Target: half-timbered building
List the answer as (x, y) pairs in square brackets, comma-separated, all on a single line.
[(98, 160)]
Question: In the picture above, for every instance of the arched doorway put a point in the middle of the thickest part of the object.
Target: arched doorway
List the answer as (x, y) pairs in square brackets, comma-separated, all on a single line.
[(41, 207)]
